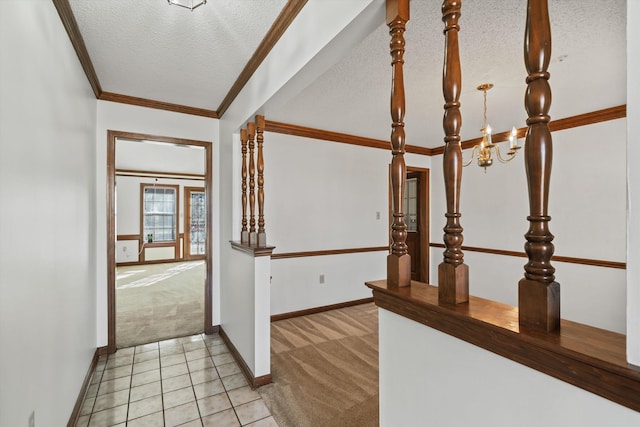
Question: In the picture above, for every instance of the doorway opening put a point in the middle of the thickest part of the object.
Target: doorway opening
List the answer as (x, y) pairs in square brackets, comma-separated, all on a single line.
[(416, 209), (159, 245)]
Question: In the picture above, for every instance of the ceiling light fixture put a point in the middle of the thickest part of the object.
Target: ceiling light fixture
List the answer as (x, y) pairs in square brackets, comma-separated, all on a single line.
[(486, 147), (188, 4)]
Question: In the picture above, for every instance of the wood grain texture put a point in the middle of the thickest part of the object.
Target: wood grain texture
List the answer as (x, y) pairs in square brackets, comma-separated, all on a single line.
[(244, 232), (398, 261), (453, 274), (325, 135), (539, 306), (71, 26), (586, 357), (252, 250), (567, 259), (304, 254), (262, 236), (292, 314), (246, 371), (279, 26), (159, 105)]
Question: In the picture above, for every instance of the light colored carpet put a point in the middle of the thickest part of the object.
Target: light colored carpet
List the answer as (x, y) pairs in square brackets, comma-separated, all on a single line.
[(159, 301), (325, 369)]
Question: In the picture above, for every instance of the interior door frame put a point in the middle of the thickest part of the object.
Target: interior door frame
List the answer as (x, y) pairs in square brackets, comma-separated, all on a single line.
[(112, 136), (425, 215)]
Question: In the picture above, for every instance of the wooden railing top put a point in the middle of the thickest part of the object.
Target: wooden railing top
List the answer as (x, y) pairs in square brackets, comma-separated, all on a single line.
[(590, 358)]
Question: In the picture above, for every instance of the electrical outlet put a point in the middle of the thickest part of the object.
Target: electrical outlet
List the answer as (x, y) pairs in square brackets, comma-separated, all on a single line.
[(32, 419), (321, 278)]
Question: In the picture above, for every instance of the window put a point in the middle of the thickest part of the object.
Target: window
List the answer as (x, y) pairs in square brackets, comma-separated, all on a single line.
[(159, 212), (411, 204)]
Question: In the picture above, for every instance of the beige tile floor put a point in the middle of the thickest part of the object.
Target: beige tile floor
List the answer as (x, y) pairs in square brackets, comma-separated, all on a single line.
[(189, 381)]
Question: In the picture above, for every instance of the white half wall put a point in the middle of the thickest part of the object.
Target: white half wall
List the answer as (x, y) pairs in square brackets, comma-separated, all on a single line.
[(431, 378), (587, 204), (129, 118), (47, 219), (246, 309)]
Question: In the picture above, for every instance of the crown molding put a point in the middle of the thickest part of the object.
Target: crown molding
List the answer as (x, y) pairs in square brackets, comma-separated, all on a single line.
[(325, 135), (280, 25), (598, 116), (159, 105), (71, 26)]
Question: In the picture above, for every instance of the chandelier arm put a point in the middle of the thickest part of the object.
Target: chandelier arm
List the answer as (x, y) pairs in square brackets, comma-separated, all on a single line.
[(503, 160), (473, 155)]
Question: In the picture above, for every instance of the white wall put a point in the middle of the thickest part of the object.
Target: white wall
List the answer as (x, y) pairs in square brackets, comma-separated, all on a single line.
[(453, 383), (298, 57), (587, 204), (47, 220), (128, 118), (633, 178), (322, 195)]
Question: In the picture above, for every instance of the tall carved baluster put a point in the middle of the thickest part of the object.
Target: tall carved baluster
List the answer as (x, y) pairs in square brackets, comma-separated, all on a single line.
[(262, 235), (244, 234), (453, 274), (251, 131), (398, 261), (538, 292)]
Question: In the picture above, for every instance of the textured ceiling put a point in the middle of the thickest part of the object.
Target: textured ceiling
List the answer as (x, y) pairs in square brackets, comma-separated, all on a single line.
[(148, 49), (353, 96)]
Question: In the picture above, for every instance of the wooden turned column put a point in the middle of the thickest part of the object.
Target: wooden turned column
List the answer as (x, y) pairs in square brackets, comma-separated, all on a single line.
[(538, 292), (244, 234), (398, 261), (253, 237), (453, 273), (262, 235)]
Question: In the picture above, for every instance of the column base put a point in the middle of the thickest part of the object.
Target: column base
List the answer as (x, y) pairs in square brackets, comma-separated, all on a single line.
[(262, 240), (453, 283), (253, 239), (539, 305), (398, 270), (244, 237)]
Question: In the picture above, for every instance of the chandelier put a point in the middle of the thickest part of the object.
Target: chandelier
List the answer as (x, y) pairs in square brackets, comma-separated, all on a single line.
[(485, 148), (188, 4)]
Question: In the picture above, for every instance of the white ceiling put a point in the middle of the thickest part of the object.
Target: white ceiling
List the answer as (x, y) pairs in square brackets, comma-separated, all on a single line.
[(147, 49)]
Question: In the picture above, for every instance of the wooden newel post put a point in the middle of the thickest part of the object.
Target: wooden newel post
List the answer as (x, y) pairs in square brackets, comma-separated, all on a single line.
[(253, 238), (244, 234), (398, 261), (262, 235), (538, 292), (453, 273)]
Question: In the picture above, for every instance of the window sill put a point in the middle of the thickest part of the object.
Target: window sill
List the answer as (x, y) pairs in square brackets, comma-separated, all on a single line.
[(587, 357)]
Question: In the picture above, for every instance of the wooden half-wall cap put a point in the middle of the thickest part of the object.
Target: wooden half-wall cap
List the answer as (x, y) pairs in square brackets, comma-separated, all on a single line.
[(254, 250), (584, 356)]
